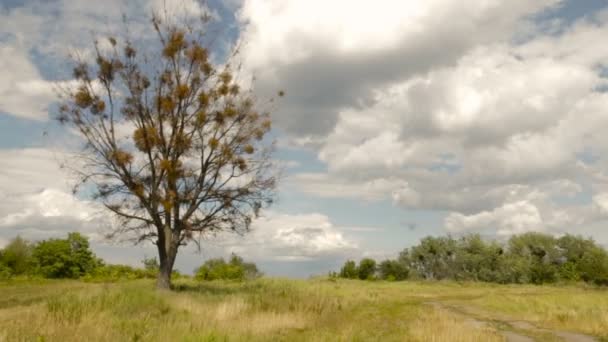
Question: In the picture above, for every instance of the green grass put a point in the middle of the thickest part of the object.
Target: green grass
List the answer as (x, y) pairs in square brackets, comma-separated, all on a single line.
[(289, 310)]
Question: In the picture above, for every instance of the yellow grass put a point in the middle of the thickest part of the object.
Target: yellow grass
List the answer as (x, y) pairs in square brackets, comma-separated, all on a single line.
[(290, 310)]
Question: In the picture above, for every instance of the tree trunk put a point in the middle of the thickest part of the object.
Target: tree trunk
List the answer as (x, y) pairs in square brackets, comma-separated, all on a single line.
[(163, 281), (167, 259)]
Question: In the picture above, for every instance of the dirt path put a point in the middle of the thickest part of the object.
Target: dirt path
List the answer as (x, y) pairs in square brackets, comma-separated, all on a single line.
[(512, 330)]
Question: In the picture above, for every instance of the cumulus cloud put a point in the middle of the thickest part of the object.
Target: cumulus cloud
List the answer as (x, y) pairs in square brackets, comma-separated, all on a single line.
[(511, 218), (23, 91), (332, 56), (52, 31), (284, 237), (473, 130), (36, 200), (31, 170)]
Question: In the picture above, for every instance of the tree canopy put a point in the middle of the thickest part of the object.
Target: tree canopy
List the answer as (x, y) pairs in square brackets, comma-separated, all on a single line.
[(174, 143)]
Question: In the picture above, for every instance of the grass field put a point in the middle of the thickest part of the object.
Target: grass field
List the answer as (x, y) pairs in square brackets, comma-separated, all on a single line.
[(299, 310)]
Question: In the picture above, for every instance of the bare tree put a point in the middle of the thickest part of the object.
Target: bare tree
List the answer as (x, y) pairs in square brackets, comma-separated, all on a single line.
[(175, 148)]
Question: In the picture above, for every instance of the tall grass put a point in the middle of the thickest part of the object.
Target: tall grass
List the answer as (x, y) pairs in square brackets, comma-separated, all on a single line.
[(275, 309)]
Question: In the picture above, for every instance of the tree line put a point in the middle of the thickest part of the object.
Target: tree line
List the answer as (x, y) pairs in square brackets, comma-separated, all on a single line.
[(72, 258), (531, 258)]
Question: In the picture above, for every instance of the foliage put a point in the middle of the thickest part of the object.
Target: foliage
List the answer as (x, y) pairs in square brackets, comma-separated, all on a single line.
[(392, 270), (367, 269), (64, 258), (196, 161), (235, 269), (349, 270), (119, 272), (16, 256), (151, 264), (5, 272), (528, 258)]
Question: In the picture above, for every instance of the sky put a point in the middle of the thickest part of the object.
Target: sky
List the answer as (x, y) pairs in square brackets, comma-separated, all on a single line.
[(402, 119)]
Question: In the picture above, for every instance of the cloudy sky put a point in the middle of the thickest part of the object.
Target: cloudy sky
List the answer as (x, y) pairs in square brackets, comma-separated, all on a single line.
[(402, 119)]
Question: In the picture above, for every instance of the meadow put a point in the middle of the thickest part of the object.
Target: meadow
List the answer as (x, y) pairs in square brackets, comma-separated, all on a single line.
[(321, 309)]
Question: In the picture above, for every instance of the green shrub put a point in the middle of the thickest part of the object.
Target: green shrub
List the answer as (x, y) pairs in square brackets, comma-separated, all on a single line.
[(64, 258), (367, 269), (118, 272), (5, 272), (531, 258), (235, 269), (349, 270), (594, 266), (392, 270), (17, 256)]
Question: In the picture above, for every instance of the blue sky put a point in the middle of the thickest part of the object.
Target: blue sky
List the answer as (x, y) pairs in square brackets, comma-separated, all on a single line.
[(402, 120)]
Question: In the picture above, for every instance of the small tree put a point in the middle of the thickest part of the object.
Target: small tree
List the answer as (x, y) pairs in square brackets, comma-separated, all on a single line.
[(235, 269), (17, 256), (349, 270), (174, 146), (367, 268), (64, 258), (393, 270)]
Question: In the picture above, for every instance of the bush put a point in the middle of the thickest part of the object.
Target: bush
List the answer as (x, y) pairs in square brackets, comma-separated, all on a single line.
[(64, 258), (349, 270), (118, 272), (527, 258), (392, 270), (235, 269), (5, 272), (367, 269), (16, 256), (594, 266)]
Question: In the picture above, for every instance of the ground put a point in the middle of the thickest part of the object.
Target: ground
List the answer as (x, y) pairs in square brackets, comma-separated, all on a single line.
[(300, 310)]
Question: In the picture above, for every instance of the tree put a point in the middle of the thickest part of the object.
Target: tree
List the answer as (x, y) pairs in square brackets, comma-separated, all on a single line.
[(477, 259), (393, 270), (235, 269), (64, 258), (433, 258), (367, 268), (173, 146), (17, 256), (594, 266), (349, 270), (537, 255)]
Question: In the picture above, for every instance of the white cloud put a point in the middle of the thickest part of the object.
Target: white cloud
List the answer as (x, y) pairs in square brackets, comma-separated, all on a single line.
[(53, 31), (277, 236), (475, 136), (511, 218), (31, 170), (321, 184), (332, 56), (23, 91), (36, 200)]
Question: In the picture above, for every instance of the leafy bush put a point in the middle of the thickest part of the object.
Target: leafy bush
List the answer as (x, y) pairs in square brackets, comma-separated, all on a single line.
[(349, 270), (367, 269), (5, 272), (527, 258), (118, 272), (64, 258), (594, 266), (16, 256), (235, 269), (392, 270)]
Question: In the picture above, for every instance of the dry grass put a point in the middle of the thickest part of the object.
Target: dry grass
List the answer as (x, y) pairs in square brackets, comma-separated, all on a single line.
[(438, 325), (283, 310)]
